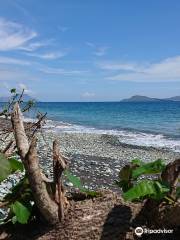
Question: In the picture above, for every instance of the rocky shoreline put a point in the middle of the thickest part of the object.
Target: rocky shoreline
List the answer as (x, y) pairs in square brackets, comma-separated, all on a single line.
[(96, 158)]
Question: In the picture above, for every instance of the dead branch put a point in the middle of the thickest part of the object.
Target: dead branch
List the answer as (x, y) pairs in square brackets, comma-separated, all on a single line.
[(20, 97), (171, 175), (46, 205), (19, 132), (28, 154), (38, 124), (59, 165)]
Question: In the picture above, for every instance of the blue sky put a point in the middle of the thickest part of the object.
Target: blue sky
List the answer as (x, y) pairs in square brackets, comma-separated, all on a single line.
[(93, 50)]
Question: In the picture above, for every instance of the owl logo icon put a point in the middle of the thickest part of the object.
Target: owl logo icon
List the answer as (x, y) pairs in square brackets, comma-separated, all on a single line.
[(139, 231)]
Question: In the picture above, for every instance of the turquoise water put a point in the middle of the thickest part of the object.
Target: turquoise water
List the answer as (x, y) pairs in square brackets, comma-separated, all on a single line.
[(147, 117), (143, 123)]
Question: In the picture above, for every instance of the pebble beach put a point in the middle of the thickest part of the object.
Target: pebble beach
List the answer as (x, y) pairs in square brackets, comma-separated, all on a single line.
[(96, 158)]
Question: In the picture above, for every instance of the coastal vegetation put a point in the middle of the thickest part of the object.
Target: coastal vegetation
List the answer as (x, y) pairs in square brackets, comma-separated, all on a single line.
[(36, 198), (163, 186)]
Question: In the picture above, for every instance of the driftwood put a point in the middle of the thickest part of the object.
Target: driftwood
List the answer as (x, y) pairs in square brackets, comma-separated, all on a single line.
[(59, 165), (45, 204), (171, 175), (49, 208)]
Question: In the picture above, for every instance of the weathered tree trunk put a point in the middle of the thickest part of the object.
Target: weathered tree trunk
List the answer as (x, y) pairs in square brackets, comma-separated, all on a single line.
[(46, 205), (171, 175), (59, 165)]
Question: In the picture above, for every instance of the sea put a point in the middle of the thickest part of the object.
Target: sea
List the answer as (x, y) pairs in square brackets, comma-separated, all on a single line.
[(155, 124)]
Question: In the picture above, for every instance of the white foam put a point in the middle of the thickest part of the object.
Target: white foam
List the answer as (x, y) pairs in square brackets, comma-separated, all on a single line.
[(134, 138)]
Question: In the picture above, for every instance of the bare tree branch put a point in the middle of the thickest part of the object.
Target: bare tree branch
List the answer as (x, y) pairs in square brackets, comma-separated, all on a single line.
[(46, 205), (19, 132), (28, 154), (59, 165), (171, 175)]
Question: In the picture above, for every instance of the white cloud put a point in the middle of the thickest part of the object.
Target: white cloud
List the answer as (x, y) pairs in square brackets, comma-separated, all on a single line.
[(61, 71), (13, 75), (98, 50), (49, 55), (88, 95), (14, 35), (30, 47), (22, 86), (90, 44), (166, 70), (14, 61), (101, 51), (118, 66)]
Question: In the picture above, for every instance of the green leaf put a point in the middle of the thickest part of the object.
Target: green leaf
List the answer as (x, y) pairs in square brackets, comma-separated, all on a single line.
[(153, 189), (161, 189), (93, 194), (137, 162), (149, 168), (125, 178), (14, 219), (31, 103), (5, 167), (74, 180), (77, 183), (21, 212), (9, 166), (21, 191), (13, 90), (16, 165)]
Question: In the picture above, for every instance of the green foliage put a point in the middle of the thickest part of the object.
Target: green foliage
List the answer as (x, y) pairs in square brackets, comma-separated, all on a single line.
[(13, 90), (20, 196), (8, 166), (146, 188), (20, 201), (21, 191), (134, 189), (28, 105), (137, 162), (148, 168), (21, 213), (74, 180), (5, 167), (125, 176), (77, 184), (15, 165)]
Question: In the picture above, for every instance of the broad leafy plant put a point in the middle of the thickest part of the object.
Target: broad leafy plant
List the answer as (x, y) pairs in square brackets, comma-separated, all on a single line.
[(134, 188), (78, 184), (19, 201)]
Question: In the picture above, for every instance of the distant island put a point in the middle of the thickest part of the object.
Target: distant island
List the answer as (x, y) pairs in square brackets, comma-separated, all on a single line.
[(139, 98), (26, 98)]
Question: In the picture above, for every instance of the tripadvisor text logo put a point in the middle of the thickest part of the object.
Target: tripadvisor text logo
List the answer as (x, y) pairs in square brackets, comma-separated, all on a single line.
[(139, 231)]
